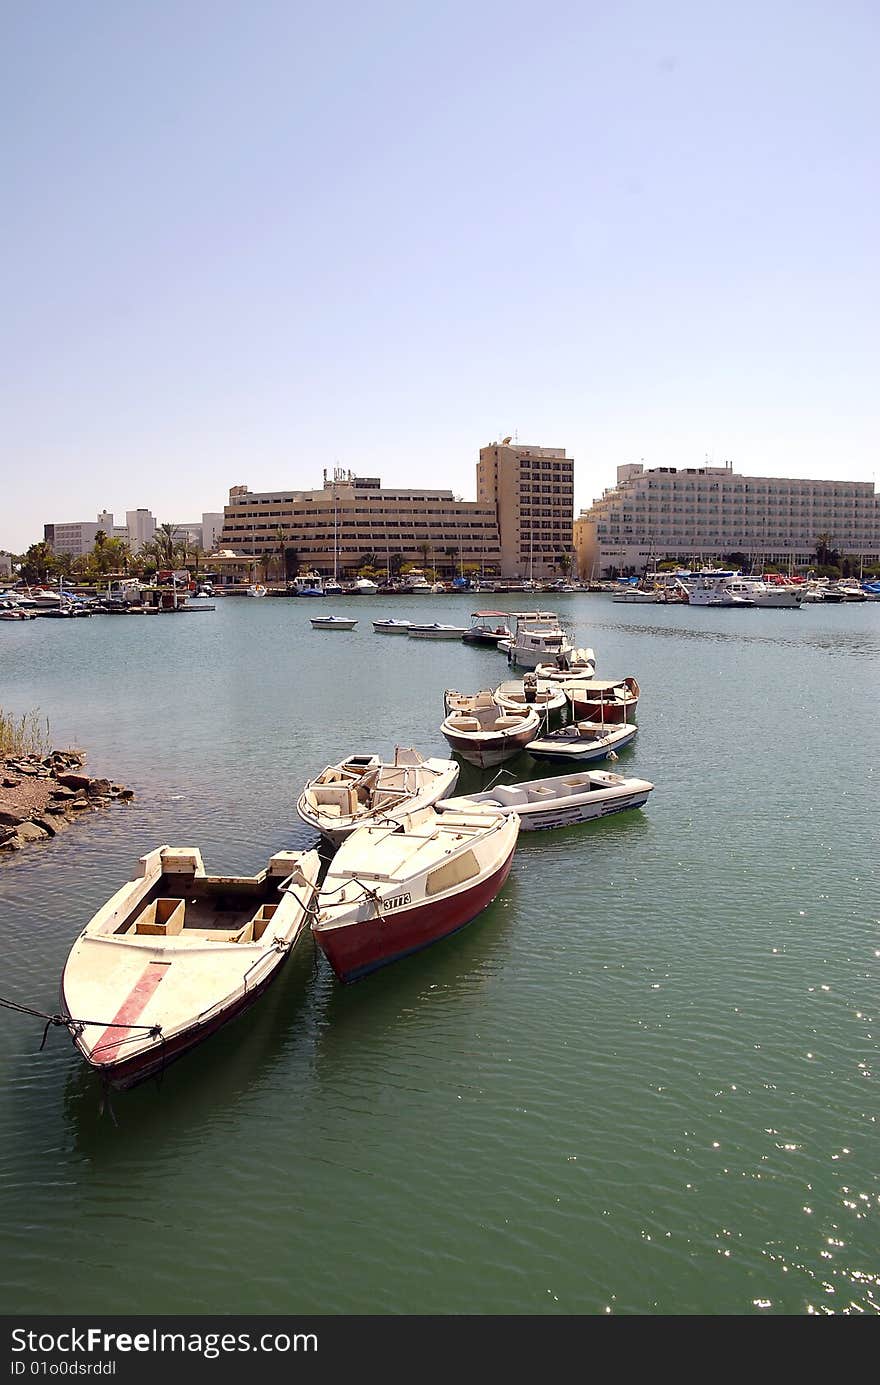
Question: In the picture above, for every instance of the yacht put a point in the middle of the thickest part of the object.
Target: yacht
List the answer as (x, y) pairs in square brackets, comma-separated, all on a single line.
[(539, 639)]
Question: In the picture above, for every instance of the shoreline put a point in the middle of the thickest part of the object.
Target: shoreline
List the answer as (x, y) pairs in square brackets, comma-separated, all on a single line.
[(43, 795)]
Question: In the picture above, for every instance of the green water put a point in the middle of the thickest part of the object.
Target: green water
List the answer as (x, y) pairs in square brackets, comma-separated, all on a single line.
[(644, 1081)]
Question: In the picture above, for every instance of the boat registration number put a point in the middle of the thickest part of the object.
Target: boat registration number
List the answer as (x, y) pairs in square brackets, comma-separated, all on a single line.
[(396, 901)]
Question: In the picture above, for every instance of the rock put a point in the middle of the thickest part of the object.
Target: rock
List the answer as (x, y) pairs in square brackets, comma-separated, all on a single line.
[(125, 794), (56, 809), (81, 805), (11, 819), (28, 769), (63, 793), (11, 783), (48, 827), (74, 781), (99, 786), (30, 832), (6, 833)]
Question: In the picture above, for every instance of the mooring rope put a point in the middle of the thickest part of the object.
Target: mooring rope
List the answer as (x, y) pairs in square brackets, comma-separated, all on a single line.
[(73, 1026)]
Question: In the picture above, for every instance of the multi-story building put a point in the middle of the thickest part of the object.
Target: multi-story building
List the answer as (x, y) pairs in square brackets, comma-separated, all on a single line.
[(531, 490), (352, 520), (141, 528), (707, 512), (212, 528), (75, 537)]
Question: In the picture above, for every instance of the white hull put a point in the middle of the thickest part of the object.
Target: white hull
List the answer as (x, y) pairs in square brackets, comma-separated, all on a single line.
[(582, 742), (487, 736), (361, 791), (563, 801), (175, 953), (436, 632), (332, 623), (391, 627)]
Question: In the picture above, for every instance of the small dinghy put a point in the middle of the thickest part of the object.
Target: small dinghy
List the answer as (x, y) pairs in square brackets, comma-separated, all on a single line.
[(559, 802), (487, 735), (393, 890), (177, 953), (436, 632), (332, 623), (580, 664), (392, 627), (583, 741), (362, 790), (546, 697), (608, 700)]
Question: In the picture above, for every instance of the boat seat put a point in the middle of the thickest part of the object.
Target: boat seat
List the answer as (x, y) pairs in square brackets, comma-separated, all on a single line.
[(163, 918), (386, 798), (464, 723), (506, 723), (484, 699), (510, 794), (339, 799)]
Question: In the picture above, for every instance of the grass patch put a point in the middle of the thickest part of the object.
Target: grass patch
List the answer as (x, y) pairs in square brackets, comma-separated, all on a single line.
[(25, 735)]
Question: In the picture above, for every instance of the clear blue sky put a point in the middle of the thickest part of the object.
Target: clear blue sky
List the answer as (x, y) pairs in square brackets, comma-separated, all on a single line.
[(245, 241)]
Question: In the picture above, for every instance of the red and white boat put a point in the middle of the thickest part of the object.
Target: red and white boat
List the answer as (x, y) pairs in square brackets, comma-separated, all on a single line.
[(395, 889), (487, 735), (607, 700), (177, 953)]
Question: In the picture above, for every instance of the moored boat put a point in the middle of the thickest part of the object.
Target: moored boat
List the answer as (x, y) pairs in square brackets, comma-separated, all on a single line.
[(487, 627), (257, 589), (392, 627), (393, 890), (547, 698), (436, 632), (176, 953), (363, 789), (561, 801), (582, 741), (332, 622), (486, 735), (603, 699)]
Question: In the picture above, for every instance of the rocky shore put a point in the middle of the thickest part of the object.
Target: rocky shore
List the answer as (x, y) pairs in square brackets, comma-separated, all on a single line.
[(42, 795)]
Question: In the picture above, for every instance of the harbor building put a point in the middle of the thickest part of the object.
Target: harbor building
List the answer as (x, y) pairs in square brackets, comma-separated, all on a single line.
[(353, 521), (531, 490), (706, 513), (141, 527)]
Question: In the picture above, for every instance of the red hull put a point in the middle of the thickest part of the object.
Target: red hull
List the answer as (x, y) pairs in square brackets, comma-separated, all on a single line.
[(614, 713), (357, 949)]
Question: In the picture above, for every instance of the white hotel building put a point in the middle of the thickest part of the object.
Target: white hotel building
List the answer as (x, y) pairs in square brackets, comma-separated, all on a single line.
[(693, 513)]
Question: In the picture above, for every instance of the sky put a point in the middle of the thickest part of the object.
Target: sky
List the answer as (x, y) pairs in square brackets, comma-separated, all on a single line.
[(248, 240)]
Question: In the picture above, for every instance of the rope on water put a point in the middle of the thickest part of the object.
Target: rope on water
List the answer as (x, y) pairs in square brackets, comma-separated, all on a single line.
[(73, 1026)]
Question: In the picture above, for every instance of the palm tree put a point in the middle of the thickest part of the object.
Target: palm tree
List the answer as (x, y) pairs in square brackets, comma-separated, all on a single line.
[(278, 551)]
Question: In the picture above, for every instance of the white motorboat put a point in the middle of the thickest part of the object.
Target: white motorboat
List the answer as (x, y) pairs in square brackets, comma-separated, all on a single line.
[(363, 790), (580, 664), (713, 589), (436, 632), (561, 801), (257, 590), (635, 596), (332, 623), (393, 890), (176, 953), (582, 741), (487, 735), (548, 698), (392, 627), (539, 639), (365, 587)]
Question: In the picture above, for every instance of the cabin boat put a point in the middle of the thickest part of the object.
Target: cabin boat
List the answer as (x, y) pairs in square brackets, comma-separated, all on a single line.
[(603, 699), (486, 735), (436, 632), (562, 801), (583, 741), (363, 790), (365, 587), (332, 622), (487, 627), (309, 584), (395, 889), (392, 627), (539, 639), (176, 953)]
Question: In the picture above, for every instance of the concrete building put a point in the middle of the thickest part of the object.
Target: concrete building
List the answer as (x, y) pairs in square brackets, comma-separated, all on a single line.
[(693, 513), (5, 564), (351, 519), (75, 537), (212, 528), (531, 491), (141, 528)]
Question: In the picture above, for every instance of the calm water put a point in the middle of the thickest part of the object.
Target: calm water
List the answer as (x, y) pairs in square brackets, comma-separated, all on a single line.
[(643, 1082)]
